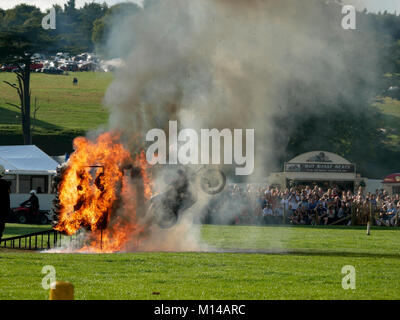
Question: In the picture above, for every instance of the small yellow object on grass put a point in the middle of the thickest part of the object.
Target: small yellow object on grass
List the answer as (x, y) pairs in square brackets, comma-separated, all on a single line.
[(62, 290)]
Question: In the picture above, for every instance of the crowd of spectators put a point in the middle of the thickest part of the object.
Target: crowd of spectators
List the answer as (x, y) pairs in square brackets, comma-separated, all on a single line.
[(303, 206)]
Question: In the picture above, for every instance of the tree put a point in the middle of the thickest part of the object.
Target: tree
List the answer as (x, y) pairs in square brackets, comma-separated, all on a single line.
[(69, 8), (102, 26), (20, 14), (18, 46), (90, 13)]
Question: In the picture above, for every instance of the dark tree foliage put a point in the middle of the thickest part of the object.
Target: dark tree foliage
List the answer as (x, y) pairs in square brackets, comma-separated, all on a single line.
[(102, 26), (74, 27)]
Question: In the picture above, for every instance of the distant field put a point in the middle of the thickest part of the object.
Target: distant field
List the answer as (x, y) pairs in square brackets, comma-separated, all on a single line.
[(65, 110), (63, 106), (307, 264), (390, 109)]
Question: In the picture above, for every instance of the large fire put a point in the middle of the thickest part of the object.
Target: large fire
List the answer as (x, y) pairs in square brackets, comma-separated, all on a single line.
[(103, 190)]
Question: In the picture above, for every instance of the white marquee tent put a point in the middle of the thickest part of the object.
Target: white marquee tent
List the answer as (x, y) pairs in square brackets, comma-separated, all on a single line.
[(28, 168), (26, 159)]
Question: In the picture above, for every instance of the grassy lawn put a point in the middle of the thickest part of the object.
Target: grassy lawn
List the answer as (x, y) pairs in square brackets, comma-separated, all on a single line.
[(16, 229), (66, 111), (63, 106), (308, 266), (42, 241)]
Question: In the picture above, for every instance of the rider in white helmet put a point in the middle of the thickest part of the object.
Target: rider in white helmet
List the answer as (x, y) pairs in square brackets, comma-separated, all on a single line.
[(32, 202), (4, 200)]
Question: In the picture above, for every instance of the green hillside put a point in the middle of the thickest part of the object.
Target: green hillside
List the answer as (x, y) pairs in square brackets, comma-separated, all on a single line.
[(65, 110), (390, 109)]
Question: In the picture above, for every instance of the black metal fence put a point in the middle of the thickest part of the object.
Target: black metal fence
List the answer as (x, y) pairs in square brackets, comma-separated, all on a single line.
[(36, 241)]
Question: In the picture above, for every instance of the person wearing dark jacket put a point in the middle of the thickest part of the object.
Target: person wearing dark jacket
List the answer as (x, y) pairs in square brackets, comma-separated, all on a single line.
[(4, 200), (33, 202)]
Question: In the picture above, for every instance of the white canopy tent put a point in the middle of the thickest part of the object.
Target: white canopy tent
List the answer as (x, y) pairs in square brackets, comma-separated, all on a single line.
[(26, 160)]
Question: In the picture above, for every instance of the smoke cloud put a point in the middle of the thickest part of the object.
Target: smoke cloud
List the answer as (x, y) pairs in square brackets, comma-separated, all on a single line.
[(233, 64)]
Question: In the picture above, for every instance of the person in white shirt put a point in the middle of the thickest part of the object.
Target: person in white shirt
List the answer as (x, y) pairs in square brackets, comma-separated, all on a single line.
[(267, 211), (267, 214), (294, 204)]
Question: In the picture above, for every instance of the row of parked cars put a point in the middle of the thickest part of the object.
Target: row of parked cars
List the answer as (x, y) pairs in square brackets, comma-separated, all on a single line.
[(58, 64), (35, 67), (39, 67), (63, 62)]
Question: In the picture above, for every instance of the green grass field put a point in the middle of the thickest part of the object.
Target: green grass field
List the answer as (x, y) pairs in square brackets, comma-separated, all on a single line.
[(14, 229), (253, 263), (63, 106)]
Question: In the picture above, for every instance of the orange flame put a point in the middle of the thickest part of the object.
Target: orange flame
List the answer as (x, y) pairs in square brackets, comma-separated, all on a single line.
[(93, 189)]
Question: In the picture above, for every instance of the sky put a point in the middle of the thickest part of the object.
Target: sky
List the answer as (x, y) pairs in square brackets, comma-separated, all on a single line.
[(371, 5)]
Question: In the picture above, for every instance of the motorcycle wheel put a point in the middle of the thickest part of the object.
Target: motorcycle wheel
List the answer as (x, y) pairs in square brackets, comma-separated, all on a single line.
[(212, 181), (43, 220), (22, 219)]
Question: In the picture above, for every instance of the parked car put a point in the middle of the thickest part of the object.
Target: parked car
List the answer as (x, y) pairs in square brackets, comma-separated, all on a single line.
[(36, 65), (70, 67), (52, 70), (8, 68)]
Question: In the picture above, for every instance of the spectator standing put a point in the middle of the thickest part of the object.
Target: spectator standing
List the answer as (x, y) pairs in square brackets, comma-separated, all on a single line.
[(330, 215)]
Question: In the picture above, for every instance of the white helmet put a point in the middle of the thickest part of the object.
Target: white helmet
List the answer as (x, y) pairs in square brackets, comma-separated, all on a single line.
[(33, 191), (2, 171)]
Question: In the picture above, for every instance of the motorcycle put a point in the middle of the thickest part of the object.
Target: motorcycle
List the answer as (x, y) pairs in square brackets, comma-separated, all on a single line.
[(168, 206), (164, 208)]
